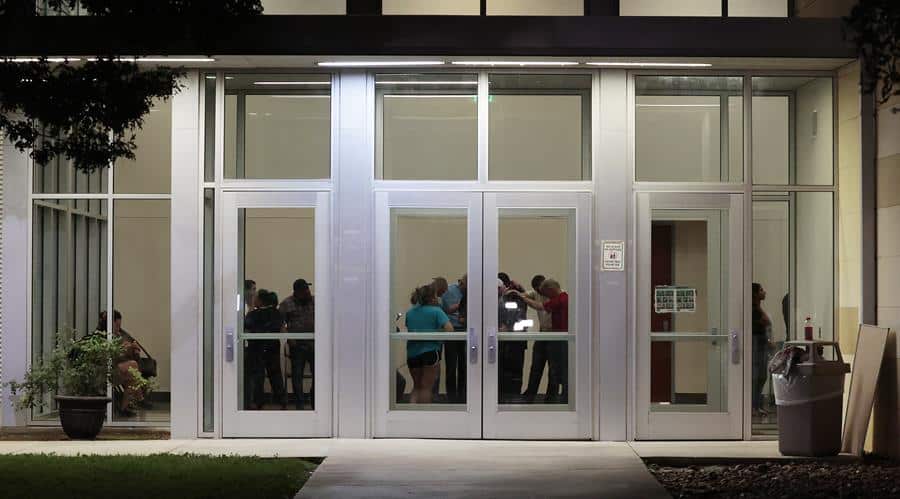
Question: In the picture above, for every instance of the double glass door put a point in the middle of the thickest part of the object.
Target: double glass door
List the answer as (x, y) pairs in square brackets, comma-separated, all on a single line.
[(276, 348), (482, 316), (689, 316)]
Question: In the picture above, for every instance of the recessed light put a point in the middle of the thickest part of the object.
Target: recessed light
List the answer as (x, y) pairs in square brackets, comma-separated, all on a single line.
[(514, 63), (377, 64), (651, 64)]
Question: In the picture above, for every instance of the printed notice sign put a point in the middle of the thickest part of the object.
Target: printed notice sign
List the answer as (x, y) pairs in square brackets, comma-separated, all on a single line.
[(674, 299), (613, 256)]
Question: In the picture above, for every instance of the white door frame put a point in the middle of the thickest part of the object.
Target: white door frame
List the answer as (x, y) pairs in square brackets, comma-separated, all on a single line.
[(432, 420), (241, 423), (674, 424), (533, 421)]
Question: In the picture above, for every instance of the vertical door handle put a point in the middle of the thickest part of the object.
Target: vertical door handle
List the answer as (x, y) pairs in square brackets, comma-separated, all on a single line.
[(492, 346), (229, 344), (735, 338), (473, 346)]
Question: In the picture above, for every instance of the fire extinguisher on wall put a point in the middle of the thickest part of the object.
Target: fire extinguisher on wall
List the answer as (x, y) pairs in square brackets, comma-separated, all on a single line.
[(808, 329)]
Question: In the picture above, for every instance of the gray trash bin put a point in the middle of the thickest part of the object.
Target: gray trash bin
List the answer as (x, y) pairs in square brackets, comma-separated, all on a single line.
[(809, 397)]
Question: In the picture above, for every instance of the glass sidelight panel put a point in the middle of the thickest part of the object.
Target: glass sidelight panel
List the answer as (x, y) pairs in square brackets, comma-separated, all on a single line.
[(688, 129), (276, 352), (535, 287), (689, 310), (277, 126), (429, 305)]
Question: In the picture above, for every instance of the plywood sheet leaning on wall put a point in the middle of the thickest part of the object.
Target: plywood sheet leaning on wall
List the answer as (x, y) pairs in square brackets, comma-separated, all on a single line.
[(870, 346)]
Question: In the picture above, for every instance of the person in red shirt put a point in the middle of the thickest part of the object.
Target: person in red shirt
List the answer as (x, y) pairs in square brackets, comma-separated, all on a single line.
[(557, 304)]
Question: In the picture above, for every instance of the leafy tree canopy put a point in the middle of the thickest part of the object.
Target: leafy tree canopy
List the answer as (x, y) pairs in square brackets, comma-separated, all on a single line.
[(874, 26), (90, 113)]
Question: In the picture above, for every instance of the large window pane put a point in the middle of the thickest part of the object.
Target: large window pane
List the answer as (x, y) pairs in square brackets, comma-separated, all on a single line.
[(540, 127), (793, 131), (277, 333), (427, 127), (670, 8), (536, 345), (277, 126), (141, 292), (69, 261), (757, 8), (428, 338), (151, 170), (209, 296), (60, 177), (535, 8), (688, 129), (304, 7), (431, 7)]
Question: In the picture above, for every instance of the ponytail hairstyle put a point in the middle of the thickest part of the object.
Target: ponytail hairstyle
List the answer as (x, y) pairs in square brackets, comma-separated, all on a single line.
[(424, 295)]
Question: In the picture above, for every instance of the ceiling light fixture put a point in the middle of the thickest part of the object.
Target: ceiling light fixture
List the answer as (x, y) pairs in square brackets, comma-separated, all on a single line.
[(650, 64), (159, 59), (292, 83), (36, 59), (466, 83), (377, 64), (514, 63)]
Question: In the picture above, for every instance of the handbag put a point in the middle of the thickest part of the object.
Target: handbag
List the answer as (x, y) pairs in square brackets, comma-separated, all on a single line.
[(146, 365)]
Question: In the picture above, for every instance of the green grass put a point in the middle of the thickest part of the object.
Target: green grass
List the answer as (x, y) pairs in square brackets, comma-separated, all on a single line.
[(158, 476)]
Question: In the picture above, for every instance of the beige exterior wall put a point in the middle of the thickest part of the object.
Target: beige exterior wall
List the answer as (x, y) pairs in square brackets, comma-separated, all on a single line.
[(304, 7)]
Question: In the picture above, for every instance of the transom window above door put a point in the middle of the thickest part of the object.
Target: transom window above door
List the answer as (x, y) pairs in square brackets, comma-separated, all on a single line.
[(277, 126), (497, 126)]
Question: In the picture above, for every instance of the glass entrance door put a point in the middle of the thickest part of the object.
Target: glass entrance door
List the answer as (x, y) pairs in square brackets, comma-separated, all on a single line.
[(276, 314), (466, 347), (689, 316)]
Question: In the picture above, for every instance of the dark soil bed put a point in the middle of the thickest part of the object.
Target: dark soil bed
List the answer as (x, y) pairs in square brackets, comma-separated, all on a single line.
[(814, 479)]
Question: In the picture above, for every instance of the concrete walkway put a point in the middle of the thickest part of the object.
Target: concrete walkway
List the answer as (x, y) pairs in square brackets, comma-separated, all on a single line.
[(418, 468), (483, 469)]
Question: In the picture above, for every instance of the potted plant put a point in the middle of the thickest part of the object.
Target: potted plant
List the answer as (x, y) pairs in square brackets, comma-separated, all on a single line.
[(77, 373)]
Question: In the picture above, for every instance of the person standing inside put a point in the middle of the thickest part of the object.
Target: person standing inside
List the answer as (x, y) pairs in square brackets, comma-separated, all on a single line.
[(423, 358), (298, 312), (455, 351), (263, 356), (556, 302), (762, 337), (539, 352), (510, 314)]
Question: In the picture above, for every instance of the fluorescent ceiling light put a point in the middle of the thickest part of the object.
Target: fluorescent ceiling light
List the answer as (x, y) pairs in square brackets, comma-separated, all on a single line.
[(652, 64), (300, 96), (292, 83), (678, 105), (160, 59), (36, 59), (468, 83), (514, 63), (377, 64), (431, 96)]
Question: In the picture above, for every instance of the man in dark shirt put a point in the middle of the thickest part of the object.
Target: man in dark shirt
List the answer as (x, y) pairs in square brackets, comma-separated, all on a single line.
[(298, 312)]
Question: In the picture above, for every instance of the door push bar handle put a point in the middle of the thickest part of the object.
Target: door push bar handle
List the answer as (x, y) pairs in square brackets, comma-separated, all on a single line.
[(229, 344), (492, 346), (735, 338), (473, 346)]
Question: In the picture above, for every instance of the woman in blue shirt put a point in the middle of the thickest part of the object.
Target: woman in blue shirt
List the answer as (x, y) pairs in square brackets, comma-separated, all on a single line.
[(424, 357)]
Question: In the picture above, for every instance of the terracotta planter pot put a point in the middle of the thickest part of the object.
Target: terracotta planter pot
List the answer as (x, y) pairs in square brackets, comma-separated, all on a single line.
[(82, 418)]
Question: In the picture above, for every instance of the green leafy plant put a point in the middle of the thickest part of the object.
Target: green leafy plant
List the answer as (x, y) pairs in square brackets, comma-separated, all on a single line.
[(140, 388), (76, 368), (874, 27)]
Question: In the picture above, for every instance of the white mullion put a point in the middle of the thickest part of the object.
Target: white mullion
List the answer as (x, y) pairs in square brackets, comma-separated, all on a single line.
[(484, 95)]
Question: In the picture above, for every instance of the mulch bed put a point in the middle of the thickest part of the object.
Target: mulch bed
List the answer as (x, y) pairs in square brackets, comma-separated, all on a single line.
[(813, 479), (20, 434)]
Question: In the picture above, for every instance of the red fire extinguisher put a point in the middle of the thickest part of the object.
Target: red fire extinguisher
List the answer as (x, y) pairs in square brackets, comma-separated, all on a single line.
[(808, 329)]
